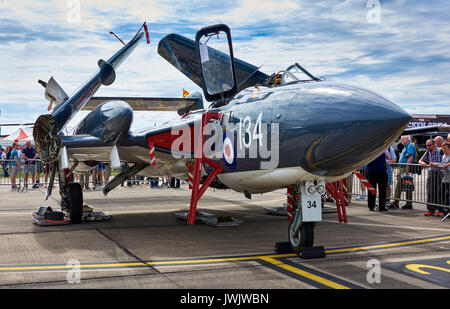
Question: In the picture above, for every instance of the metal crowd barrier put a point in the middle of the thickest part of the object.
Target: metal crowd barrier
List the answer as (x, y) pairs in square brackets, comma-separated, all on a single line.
[(6, 171), (420, 185)]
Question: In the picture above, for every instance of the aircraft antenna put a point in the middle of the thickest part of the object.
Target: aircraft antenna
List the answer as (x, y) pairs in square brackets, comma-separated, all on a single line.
[(117, 37)]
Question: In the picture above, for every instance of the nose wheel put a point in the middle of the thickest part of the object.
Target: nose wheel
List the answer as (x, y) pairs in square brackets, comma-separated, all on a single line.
[(302, 237)]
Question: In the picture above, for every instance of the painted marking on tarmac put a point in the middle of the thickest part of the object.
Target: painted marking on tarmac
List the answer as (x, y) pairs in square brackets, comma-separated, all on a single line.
[(278, 262), (365, 248), (389, 245), (416, 228), (432, 270), (307, 275)]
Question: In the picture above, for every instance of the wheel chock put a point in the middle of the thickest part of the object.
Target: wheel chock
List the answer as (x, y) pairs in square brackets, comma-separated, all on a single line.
[(283, 248), (47, 216), (312, 252)]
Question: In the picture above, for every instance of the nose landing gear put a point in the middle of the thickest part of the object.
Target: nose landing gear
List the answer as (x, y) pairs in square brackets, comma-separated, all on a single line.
[(307, 209)]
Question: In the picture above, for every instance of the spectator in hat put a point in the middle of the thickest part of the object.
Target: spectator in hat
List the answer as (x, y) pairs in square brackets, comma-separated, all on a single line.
[(432, 155)]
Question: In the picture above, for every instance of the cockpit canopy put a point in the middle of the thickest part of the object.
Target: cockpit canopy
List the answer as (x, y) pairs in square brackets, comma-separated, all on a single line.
[(296, 73), (293, 74)]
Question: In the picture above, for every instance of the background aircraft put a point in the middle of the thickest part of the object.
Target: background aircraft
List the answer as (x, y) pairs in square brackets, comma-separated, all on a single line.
[(265, 132)]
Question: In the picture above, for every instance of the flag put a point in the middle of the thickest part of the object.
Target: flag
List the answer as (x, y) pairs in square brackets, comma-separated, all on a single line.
[(185, 93)]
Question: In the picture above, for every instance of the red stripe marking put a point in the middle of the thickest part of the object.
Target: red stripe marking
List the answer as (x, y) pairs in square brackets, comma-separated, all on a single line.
[(146, 33)]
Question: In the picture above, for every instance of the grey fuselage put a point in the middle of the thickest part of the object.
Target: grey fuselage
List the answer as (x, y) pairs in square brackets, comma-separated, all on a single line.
[(325, 131)]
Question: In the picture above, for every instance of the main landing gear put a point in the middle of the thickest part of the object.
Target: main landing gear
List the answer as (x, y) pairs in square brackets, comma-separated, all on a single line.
[(71, 197)]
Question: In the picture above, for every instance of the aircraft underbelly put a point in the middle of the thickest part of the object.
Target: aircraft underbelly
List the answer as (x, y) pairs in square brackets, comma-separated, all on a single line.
[(261, 181)]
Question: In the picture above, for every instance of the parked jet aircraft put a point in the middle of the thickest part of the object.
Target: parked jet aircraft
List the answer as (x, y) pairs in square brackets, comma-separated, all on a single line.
[(261, 132)]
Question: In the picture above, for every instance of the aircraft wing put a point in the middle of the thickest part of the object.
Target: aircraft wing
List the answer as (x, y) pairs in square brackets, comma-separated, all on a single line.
[(425, 129), (133, 145), (133, 148), (180, 52), (150, 104)]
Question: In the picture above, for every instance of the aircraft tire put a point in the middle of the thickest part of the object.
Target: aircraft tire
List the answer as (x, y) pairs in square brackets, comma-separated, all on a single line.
[(305, 239), (76, 203)]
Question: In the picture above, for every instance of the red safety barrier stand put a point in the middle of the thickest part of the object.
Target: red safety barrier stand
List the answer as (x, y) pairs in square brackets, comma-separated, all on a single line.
[(366, 183), (331, 188), (345, 191), (337, 192), (342, 198)]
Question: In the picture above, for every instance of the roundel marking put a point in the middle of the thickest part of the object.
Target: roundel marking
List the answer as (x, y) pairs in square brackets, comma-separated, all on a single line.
[(228, 151)]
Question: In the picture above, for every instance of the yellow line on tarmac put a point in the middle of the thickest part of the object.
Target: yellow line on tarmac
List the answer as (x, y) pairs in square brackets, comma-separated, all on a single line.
[(391, 245), (134, 264), (305, 274), (62, 267), (218, 260), (268, 258)]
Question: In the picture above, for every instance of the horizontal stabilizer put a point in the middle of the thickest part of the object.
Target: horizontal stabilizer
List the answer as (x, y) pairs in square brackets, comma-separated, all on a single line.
[(180, 52), (149, 104)]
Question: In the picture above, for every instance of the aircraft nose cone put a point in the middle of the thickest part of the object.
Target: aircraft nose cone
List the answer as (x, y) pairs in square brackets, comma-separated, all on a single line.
[(341, 128)]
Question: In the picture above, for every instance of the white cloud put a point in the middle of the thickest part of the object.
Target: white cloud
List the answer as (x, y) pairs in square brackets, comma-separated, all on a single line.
[(404, 58)]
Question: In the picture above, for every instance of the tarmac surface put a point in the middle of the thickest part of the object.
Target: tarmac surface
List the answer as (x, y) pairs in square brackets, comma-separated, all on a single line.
[(144, 245)]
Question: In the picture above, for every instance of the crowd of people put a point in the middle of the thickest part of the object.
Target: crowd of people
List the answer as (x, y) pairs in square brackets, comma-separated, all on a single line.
[(436, 158), (12, 159), (18, 158)]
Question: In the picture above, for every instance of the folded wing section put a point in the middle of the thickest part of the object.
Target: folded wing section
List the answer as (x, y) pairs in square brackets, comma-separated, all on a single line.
[(180, 52)]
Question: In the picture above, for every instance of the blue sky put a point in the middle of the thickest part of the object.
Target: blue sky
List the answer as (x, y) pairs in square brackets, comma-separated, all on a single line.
[(399, 49)]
